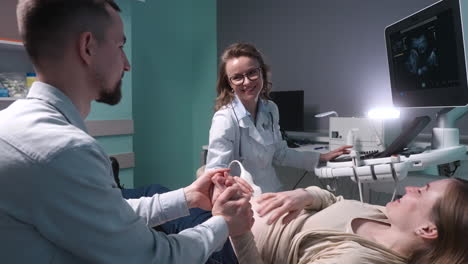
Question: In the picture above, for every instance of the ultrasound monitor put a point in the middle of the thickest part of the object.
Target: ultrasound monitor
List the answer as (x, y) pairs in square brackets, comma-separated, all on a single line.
[(426, 57), (291, 109)]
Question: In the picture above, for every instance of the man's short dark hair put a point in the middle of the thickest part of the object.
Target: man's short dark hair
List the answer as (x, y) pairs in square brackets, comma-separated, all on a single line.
[(46, 26)]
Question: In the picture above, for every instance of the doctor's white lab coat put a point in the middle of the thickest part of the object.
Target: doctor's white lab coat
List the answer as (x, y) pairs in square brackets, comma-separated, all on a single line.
[(235, 136)]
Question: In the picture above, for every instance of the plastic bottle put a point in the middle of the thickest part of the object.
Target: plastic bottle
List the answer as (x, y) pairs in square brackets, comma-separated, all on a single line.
[(30, 78)]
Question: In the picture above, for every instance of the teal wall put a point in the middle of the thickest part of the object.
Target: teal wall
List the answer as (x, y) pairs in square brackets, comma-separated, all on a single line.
[(119, 144), (174, 75)]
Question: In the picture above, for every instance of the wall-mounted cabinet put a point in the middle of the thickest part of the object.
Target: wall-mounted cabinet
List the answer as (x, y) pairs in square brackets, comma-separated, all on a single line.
[(13, 59)]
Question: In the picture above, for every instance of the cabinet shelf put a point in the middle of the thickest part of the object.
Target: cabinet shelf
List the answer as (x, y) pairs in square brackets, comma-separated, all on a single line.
[(10, 98), (14, 59), (6, 101), (9, 44)]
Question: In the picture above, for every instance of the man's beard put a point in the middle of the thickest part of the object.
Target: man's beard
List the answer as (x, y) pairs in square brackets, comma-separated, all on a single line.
[(111, 97)]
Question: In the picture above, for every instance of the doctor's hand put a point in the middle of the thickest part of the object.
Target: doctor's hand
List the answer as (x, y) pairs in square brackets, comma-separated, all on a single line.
[(235, 208), (198, 194), (335, 153), (289, 203)]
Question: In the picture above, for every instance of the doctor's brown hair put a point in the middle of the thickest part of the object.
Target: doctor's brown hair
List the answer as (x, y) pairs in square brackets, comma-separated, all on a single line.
[(225, 95), (47, 26), (450, 215)]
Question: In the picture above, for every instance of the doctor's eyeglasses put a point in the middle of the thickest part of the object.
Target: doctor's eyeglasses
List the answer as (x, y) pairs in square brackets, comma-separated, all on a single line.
[(252, 75)]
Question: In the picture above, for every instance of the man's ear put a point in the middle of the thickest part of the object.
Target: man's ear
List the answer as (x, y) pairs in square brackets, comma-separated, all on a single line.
[(427, 231), (87, 45)]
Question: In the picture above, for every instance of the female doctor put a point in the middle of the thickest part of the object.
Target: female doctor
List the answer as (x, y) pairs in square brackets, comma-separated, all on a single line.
[(246, 127)]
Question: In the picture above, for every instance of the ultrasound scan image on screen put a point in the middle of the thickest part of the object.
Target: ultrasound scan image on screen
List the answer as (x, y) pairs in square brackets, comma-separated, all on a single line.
[(424, 55)]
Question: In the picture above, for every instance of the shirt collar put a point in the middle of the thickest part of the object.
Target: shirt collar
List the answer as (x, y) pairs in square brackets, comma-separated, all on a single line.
[(241, 112), (263, 115), (262, 106), (239, 108), (59, 100)]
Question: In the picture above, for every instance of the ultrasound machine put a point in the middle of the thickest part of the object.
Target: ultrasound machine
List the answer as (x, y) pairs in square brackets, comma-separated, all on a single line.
[(427, 63)]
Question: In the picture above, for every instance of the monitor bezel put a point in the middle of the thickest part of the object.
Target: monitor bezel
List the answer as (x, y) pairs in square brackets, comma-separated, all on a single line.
[(435, 97)]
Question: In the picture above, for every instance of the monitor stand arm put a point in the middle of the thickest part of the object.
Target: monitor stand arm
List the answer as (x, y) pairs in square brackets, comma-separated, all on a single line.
[(446, 134)]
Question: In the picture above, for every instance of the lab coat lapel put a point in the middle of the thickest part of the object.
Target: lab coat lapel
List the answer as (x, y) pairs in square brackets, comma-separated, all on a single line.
[(263, 137), (264, 125), (255, 134), (247, 122)]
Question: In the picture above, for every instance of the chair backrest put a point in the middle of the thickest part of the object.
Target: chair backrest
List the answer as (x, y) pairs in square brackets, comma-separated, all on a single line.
[(115, 170)]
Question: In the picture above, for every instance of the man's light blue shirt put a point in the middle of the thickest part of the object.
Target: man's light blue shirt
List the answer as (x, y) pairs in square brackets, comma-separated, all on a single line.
[(59, 202)]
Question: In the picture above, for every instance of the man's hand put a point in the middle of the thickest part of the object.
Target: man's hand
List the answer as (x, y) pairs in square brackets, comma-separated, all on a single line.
[(335, 153), (198, 194), (235, 209), (290, 203)]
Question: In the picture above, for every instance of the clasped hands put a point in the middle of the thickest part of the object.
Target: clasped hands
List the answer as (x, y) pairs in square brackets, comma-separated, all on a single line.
[(230, 196), (224, 195)]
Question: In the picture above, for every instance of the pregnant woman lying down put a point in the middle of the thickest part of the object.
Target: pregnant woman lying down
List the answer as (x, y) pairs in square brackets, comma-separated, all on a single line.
[(429, 224)]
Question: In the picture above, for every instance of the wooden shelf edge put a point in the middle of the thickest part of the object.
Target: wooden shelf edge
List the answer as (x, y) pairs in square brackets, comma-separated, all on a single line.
[(10, 98), (4, 103), (11, 42)]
